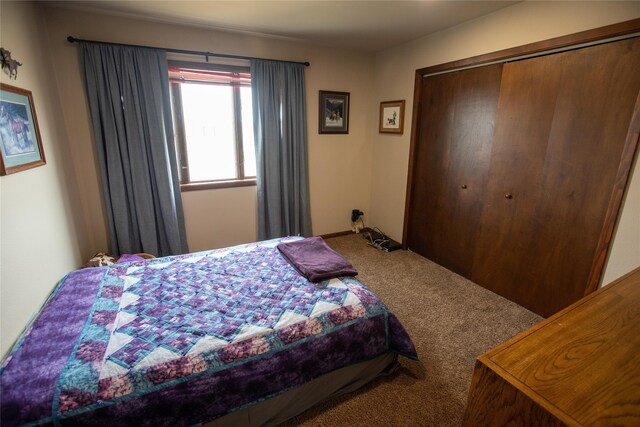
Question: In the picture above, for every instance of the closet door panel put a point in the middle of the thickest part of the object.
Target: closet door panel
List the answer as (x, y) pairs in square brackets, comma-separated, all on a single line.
[(524, 119), (451, 159), (561, 183), (586, 142), (431, 161)]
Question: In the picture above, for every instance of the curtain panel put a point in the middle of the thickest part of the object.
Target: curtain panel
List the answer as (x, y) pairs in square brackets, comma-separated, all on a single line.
[(280, 129), (128, 94)]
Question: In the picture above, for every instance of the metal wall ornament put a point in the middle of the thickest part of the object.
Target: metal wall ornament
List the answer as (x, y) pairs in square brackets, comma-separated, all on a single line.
[(9, 65)]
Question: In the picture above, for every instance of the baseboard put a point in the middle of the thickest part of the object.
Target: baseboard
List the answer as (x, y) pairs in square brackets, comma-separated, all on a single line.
[(338, 234)]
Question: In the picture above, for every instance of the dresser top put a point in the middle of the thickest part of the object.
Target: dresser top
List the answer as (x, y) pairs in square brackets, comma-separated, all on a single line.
[(583, 363)]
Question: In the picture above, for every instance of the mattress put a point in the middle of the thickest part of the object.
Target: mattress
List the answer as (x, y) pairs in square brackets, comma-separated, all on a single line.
[(188, 339)]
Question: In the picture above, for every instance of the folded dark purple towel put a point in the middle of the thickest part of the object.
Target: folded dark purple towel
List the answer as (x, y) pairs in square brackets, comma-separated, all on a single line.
[(315, 260)]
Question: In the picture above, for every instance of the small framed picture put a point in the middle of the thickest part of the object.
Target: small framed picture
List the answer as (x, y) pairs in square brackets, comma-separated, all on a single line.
[(333, 112), (392, 117), (20, 141)]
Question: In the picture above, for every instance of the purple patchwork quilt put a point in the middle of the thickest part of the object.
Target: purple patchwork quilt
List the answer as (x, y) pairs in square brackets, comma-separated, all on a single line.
[(185, 339)]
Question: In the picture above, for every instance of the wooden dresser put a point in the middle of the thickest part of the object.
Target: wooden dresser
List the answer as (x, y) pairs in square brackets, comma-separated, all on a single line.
[(579, 367)]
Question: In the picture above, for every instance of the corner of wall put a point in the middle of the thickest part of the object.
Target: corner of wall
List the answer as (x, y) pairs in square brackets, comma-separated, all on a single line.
[(40, 239)]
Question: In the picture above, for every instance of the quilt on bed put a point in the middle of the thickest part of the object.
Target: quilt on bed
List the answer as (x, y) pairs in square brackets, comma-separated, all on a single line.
[(185, 339)]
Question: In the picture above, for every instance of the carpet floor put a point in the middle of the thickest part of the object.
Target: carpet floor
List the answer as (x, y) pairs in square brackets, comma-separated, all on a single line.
[(451, 320)]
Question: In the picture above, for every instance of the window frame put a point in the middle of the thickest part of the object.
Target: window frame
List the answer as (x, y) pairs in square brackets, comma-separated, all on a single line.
[(180, 134)]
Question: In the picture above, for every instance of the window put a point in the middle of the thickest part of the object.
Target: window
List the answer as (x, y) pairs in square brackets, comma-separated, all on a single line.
[(213, 120)]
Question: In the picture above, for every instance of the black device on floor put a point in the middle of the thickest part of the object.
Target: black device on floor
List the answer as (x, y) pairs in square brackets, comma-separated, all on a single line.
[(379, 240)]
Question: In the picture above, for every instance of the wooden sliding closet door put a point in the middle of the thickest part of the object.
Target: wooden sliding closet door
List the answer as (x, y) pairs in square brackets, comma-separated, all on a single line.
[(562, 124), (456, 133), (517, 168)]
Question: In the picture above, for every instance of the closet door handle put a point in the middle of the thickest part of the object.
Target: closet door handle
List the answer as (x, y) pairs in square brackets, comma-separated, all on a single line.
[(508, 196), (463, 186)]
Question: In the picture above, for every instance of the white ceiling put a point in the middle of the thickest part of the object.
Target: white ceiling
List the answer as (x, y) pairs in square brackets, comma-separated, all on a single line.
[(360, 25)]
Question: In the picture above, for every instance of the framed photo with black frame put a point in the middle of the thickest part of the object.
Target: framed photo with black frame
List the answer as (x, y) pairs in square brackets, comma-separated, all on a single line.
[(333, 112), (20, 141)]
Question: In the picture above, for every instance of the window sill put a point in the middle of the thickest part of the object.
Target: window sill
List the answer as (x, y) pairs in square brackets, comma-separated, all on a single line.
[(209, 185)]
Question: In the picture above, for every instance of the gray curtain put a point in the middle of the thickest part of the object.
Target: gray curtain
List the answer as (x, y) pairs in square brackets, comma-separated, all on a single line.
[(128, 94), (280, 129)]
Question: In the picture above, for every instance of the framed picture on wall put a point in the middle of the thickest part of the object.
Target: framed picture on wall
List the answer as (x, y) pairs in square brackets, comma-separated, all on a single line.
[(392, 117), (333, 112), (20, 141)]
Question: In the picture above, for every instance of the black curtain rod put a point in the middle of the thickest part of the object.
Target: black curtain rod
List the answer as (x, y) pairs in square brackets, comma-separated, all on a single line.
[(72, 39)]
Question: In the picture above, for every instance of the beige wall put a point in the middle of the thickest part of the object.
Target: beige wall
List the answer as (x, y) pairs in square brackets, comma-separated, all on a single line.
[(40, 240), (525, 22), (208, 225), (339, 165)]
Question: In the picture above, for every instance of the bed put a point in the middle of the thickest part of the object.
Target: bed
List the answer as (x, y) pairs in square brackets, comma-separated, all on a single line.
[(227, 336)]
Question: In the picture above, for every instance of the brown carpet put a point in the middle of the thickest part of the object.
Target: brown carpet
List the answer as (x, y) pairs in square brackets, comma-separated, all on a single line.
[(451, 321)]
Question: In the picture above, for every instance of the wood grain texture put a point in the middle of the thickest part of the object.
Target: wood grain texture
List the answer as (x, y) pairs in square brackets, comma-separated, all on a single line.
[(495, 402), (453, 154), (415, 134), (558, 145), (526, 109), (518, 187), (581, 365)]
